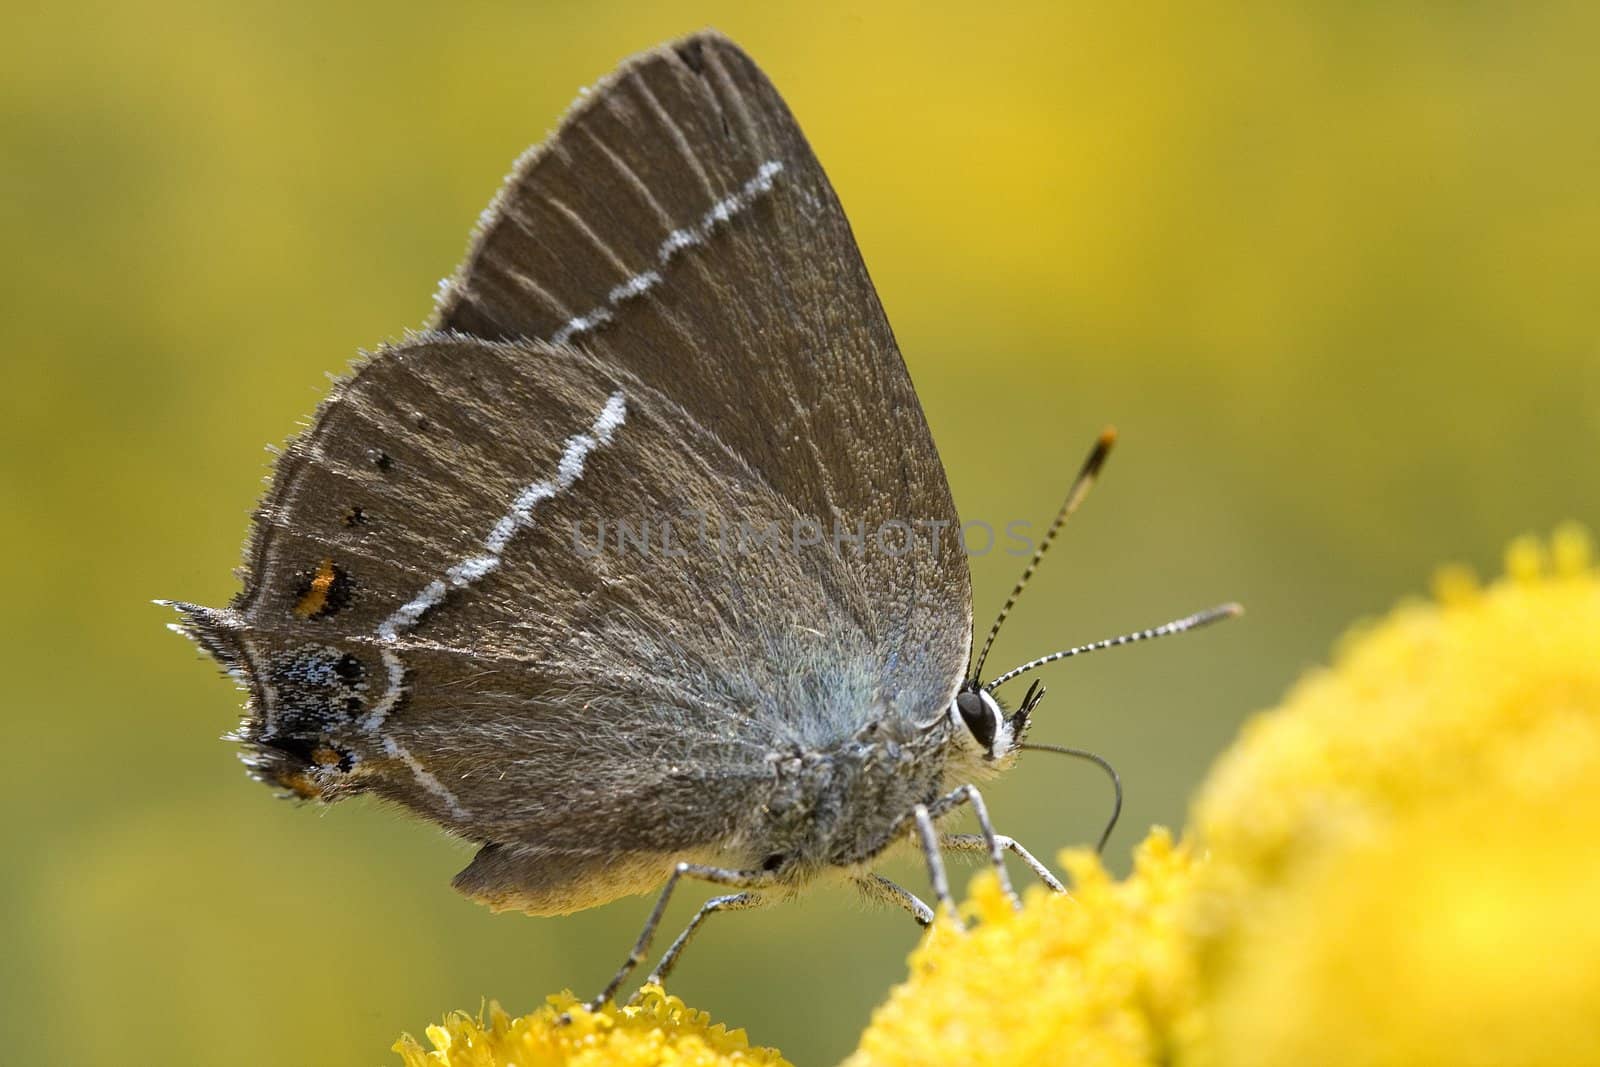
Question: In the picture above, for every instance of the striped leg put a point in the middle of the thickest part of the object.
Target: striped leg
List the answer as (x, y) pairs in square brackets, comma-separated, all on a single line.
[(976, 843), (714, 875), (731, 902), (879, 888)]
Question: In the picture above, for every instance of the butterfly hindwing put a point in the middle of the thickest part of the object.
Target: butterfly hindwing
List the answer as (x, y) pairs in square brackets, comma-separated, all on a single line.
[(524, 678)]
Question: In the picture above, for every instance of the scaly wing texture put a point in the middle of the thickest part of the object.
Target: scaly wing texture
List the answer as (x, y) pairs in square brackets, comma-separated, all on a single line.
[(679, 224), (431, 613), (663, 322)]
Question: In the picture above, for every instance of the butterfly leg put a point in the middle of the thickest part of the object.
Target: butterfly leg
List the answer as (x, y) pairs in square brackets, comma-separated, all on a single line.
[(929, 838), (879, 888), (731, 902), (715, 875), (976, 843), (992, 842)]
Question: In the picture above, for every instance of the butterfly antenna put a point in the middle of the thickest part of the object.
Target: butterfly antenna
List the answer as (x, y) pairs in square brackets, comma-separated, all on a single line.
[(1176, 626), (1105, 765), (1080, 489)]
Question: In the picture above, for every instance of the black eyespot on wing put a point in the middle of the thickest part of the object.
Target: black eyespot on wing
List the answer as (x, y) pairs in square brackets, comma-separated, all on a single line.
[(315, 688), (349, 669), (979, 719), (352, 672), (298, 749)]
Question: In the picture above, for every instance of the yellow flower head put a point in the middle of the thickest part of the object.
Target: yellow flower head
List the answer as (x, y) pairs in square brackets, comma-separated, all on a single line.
[(1093, 978), (1490, 691), (1464, 934), (657, 1030), (1402, 858)]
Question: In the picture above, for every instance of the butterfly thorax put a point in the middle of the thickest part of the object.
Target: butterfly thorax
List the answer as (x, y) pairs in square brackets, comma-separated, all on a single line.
[(841, 806)]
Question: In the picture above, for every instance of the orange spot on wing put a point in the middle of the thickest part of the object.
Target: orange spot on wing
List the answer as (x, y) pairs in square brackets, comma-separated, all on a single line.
[(301, 785), (315, 598)]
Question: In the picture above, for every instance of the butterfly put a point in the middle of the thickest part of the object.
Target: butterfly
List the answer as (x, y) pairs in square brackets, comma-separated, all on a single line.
[(663, 318)]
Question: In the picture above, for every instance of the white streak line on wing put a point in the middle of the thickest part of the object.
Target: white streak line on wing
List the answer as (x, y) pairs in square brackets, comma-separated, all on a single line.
[(425, 777), (677, 241), (574, 455)]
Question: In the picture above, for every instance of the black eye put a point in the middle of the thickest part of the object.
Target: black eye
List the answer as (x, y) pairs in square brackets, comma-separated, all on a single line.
[(979, 719)]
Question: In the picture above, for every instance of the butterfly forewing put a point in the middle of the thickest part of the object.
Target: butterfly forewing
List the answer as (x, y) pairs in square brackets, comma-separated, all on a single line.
[(679, 224)]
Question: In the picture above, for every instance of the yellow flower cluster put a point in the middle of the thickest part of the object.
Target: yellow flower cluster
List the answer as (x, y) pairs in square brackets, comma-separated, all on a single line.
[(1402, 859), (1462, 934), (656, 1030), (1092, 978), (1491, 691), (1396, 866)]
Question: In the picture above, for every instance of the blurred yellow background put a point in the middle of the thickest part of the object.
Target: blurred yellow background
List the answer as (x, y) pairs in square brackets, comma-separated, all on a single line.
[(1331, 269)]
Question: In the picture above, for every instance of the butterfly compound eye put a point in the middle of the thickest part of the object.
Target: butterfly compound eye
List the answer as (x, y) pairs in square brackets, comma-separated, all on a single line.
[(981, 714)]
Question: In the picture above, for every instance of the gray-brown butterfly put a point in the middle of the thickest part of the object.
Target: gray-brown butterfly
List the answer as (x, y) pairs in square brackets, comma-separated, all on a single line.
[(663, 318)]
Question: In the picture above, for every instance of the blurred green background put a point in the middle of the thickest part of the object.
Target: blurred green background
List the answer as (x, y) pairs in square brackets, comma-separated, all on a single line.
[(1331, 269)]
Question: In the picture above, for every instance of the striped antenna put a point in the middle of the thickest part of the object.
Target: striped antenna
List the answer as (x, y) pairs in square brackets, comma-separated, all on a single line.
[(1176, 626), (1080, 489)]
